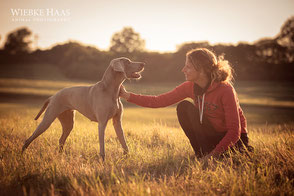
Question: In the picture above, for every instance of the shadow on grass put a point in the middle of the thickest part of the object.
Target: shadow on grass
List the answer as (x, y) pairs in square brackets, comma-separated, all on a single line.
[(36, 184), (112, 177)]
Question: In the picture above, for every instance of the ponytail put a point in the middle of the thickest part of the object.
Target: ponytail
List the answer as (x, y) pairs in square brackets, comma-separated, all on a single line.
[(222, 71)]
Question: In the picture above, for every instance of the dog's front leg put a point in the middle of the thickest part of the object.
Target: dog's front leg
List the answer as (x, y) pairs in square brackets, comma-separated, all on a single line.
[(101, 129), (119, 132)]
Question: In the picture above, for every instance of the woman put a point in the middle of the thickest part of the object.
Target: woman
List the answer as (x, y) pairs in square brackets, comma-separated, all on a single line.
[(216, 121)]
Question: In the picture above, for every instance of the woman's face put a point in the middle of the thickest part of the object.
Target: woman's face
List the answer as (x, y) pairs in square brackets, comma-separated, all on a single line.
[(190, 72)]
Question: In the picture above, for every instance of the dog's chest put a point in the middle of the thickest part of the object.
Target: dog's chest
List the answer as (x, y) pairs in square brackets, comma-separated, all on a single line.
[(106, 109), (113, 110)]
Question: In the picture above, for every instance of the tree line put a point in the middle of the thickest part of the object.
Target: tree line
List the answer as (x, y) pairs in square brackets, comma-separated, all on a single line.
[(265, 59)]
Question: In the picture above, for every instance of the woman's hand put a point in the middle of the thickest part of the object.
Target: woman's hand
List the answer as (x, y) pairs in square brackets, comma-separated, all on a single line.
[(123, 93)]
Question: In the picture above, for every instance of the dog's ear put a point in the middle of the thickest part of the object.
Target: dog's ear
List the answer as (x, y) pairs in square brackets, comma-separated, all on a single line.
[(117, 65)]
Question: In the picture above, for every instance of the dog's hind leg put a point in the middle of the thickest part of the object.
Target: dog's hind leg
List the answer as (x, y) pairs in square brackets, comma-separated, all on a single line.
[(66, 119), (50, 115)]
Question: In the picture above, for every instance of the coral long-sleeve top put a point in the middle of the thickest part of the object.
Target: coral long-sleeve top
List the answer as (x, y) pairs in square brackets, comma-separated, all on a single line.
[(221, 108)]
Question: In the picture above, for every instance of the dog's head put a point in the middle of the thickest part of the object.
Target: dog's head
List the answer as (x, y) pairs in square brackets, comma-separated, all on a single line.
[(130, 69)]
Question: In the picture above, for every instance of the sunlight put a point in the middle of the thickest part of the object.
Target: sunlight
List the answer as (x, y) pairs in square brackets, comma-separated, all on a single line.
[(163, 24)]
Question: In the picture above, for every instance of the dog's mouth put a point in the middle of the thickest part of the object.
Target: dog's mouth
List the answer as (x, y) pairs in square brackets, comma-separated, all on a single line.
[(137, 74)]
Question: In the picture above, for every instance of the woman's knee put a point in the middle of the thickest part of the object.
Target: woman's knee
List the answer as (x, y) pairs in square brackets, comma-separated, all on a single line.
[(183, 106)]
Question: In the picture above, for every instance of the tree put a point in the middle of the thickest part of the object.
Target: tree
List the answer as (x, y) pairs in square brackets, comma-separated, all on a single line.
[(270, 51), (127, 41), (286, 35), (18, 41), (286, 39)]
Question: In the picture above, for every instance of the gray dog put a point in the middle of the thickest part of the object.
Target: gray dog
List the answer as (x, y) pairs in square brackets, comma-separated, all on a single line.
[(99, 102)]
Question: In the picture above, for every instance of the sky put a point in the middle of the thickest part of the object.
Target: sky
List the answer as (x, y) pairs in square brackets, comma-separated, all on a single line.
[(164, 24)]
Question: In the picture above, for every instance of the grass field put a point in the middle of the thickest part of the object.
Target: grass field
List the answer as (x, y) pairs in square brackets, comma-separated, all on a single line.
[(160, 161)]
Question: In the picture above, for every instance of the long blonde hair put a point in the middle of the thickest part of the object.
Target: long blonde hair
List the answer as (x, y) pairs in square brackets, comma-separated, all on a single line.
[(217, 68)]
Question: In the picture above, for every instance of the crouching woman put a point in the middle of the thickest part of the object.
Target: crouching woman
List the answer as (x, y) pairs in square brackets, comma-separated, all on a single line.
[(215, 121)]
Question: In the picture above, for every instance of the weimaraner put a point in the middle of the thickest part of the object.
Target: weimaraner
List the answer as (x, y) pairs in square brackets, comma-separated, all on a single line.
[(98, 102)]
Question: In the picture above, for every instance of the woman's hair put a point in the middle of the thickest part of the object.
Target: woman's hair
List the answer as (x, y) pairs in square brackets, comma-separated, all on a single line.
[(217, 68)]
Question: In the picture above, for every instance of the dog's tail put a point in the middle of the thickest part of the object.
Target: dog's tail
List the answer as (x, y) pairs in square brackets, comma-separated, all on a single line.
[(43, 108)]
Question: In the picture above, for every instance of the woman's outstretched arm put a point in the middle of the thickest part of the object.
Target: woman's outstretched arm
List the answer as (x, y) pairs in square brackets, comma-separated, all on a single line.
[(177, 94)]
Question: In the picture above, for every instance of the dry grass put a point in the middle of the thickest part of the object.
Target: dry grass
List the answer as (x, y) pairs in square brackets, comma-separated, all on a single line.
[(160, 161)]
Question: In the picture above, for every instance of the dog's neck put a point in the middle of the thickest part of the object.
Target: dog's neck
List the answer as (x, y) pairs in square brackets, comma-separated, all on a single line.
[(112, 80)]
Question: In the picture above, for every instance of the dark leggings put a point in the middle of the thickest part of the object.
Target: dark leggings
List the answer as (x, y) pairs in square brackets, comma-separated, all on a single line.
[(203, 137)]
